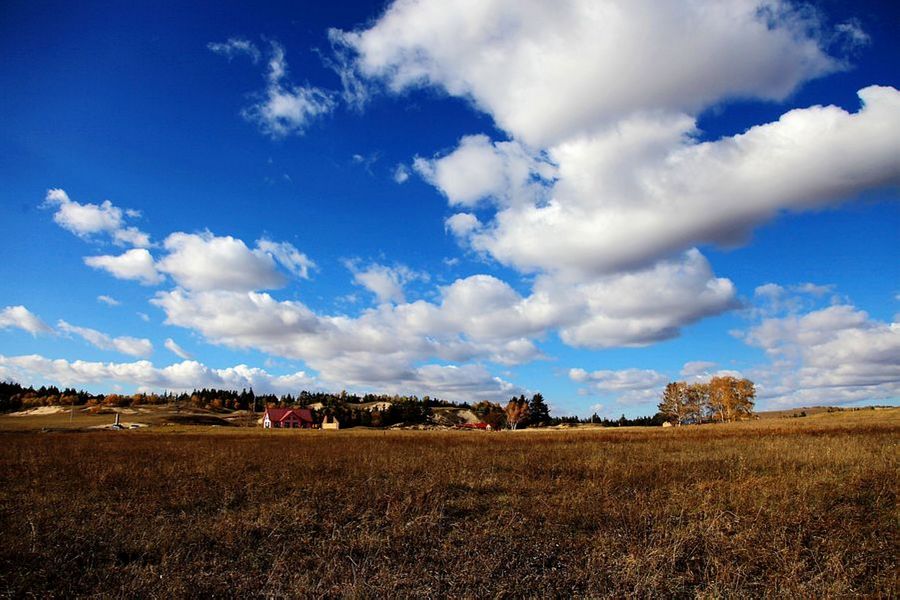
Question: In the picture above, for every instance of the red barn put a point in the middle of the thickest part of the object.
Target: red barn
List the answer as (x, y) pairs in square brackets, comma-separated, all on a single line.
[(288, 418)]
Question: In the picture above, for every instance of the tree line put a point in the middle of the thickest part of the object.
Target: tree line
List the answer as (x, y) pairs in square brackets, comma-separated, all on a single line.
[(723, 399), (14, 396)]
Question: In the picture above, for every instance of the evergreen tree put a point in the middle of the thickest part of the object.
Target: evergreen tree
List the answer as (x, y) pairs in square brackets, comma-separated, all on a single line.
[(538, 411)]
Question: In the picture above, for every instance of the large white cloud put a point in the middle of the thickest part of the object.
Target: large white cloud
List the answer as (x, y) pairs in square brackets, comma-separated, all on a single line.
[(124, 344), (22, 318), (475, 318), (549, 71), (380, 345), (207, 262), (603, 172), (183, 376), (630, 195), (648, 305)]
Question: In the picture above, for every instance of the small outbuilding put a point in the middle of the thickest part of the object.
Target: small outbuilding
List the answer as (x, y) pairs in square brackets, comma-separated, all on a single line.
[(288, 418), (330, 422)]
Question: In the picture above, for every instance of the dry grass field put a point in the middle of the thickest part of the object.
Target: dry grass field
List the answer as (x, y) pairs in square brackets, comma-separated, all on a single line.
[(793, 507)]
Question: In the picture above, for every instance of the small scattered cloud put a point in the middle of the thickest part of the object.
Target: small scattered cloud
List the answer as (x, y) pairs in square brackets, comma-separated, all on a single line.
[(296, 262), (236, 47), (367, 161), (850, 36), (462, 224), (284, 108), (401, 173), (617, 381), (108, 300), (697, 368), (136, 264), (125, 344), (89, 220), (174, 348), (772, 298), (700, 371), (633, 387), (385, 282), (355, 92)]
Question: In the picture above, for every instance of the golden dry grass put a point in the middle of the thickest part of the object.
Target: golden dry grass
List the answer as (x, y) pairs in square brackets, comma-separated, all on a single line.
[(801, 507)]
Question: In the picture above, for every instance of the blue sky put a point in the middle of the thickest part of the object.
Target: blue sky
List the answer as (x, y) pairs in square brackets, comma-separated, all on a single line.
[(469, 200)]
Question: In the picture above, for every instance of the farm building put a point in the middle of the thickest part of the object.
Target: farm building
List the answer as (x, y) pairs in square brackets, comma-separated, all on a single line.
[(330, 422), (288, 418)]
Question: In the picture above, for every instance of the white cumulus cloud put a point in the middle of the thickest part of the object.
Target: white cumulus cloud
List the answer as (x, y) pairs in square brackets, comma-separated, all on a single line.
[(385, 282), (183, 376), (603, 171), (832, 355), (87, 220), (550, 71), (136, 264), (630, 195), (207, 262)]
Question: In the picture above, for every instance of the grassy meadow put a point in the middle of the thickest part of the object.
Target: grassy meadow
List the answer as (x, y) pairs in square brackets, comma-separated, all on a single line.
[(784, 507)]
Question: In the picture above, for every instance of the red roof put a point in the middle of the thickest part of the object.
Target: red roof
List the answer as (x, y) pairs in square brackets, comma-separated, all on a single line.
[(284, 414)]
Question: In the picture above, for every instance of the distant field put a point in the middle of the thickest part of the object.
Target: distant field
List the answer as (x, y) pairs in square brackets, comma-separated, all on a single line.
[(61, 418), (790, 507)]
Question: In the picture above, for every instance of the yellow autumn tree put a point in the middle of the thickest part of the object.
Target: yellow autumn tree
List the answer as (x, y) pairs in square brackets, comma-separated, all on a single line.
[(516, 412), (730, 398)]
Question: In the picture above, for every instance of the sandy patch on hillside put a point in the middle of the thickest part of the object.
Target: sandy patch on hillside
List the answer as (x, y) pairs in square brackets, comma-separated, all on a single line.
[(40, 410)]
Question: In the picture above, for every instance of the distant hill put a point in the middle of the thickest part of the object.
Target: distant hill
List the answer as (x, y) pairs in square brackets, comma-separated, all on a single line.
[(808, 411)]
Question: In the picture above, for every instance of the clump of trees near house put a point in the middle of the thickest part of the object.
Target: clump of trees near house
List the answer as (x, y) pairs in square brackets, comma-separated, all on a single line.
[(722, 400), (518, 413)]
